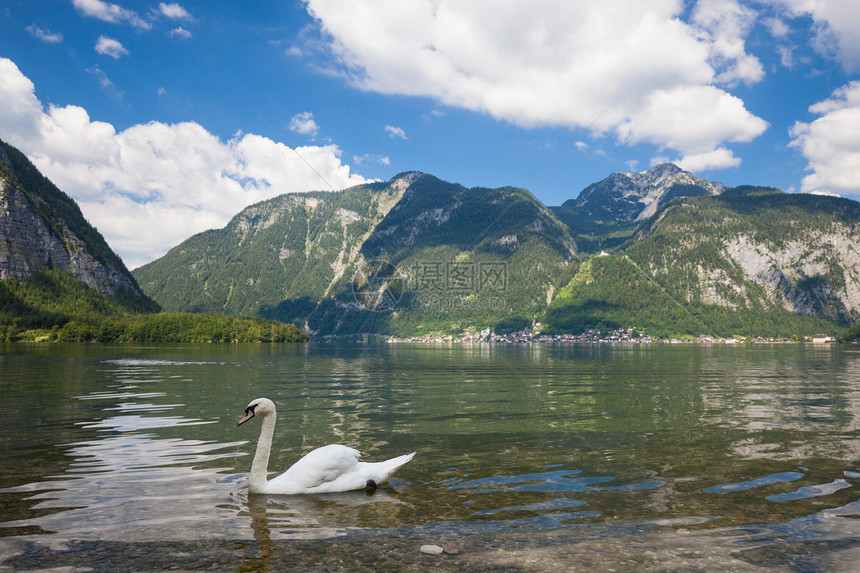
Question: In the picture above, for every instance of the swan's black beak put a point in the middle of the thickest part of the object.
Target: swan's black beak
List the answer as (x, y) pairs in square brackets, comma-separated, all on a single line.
[(249, 413)]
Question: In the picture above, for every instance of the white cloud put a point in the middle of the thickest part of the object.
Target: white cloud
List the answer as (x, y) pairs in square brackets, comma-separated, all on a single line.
[(110, 47), (786, 56), (831, 143), (44, 35), (174, 11), (837, 22), (692, 119), (393, 132), (179, 32), (719, 158), (777, 27), (724, 24), (151, 186), (371, 158), (609, 66), (113, 13), (304, 124)]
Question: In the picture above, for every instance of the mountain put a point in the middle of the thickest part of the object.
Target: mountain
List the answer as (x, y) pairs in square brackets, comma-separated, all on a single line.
[(470, 259), (43, 228), (339, 262), (751, 261), (278, 258), (751, 249), (60, 281), (418, 255), (623, 199)]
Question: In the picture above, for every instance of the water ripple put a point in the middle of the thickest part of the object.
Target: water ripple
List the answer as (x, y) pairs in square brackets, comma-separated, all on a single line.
[(557, 481), (811, 491), (560, 503), (758, 482)]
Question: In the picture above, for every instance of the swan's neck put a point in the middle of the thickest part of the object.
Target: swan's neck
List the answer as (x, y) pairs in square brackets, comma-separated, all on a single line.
[(258, 478)]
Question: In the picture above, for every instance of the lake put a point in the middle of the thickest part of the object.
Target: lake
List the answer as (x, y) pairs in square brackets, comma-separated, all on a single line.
[(582, 457)]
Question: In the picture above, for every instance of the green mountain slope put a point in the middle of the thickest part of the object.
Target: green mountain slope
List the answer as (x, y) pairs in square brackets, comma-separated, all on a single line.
[(279, 258), (470, 259), (416, 254), (751, 261), (759, 251)]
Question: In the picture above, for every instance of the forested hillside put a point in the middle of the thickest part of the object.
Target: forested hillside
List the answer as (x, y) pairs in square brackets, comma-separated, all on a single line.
[(416, 254), (52, 306)]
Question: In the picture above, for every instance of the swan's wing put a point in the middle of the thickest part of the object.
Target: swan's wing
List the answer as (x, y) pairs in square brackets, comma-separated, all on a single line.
[(322, 465)]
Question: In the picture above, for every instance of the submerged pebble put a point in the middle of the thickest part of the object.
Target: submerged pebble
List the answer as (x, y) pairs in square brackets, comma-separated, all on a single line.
[(431, 549)]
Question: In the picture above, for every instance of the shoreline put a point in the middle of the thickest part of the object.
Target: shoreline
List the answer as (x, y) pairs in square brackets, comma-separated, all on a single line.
[(517, 338)]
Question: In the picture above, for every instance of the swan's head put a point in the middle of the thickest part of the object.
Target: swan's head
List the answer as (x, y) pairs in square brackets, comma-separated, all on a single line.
[(258, 407)]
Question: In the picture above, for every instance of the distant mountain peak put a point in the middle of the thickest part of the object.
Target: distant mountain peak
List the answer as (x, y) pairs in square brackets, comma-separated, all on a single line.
[(624, 198), (402, 181), (669, 168)]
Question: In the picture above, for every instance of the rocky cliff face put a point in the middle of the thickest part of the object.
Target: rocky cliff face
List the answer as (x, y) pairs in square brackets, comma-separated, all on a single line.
[(799, 253), (41, 228), (818, 275)]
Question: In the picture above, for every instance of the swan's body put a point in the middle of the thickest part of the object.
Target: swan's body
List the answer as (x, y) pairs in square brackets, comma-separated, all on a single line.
[(332, 468)]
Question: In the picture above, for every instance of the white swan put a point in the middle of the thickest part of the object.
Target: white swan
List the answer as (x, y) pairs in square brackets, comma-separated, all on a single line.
[(332, 468)]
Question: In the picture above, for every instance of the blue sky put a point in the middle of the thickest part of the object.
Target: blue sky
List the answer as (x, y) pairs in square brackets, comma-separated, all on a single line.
[(163, 119)]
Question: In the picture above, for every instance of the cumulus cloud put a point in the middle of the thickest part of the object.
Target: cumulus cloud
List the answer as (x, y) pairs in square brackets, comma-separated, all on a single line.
[(691, 118), (703, 161), (624, 66), (837, 22), (151, 186), (107, 12), (831, 143), (179, 32), (393, 132), (303, 123), (44, 35), (174, 11), (110, 47), (723, 25), (777, 27)]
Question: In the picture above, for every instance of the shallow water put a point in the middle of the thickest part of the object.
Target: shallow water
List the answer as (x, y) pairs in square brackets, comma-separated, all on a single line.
[(642, 457)]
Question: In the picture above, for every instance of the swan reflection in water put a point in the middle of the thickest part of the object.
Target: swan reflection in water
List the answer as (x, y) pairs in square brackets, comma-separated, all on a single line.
[(330, 480), (311, 517)]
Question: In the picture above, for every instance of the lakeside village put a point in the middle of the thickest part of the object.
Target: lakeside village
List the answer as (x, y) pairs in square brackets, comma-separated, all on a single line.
[(618, 336)]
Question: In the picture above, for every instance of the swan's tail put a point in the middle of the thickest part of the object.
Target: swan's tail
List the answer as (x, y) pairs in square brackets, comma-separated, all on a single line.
[(384, 470)]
